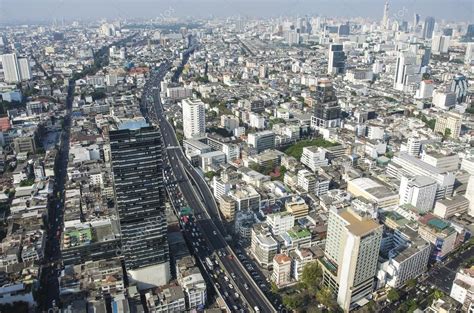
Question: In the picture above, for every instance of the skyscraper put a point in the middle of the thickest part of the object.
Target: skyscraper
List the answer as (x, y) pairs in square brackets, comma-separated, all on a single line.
[(24, 66), (194, 118), (407, 70), (327, 112), (11, 69), (351, 254), (15, 69), (416, 20), (460, 87), (337, 59), (139, 195), (385, 20), (429, 27), (440, 44)]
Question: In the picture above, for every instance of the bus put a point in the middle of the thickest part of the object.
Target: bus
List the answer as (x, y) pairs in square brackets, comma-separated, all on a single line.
[(209, 263)]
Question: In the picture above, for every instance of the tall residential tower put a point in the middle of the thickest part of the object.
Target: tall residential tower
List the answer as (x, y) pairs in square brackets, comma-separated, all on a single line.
[(140, 199)]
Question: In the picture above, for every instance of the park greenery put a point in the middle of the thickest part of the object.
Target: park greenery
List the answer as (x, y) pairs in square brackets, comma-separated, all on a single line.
[(309, 295), (296, 150)]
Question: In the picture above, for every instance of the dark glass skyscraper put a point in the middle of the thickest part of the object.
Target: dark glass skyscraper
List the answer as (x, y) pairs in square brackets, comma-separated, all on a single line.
[(139, 193), (337, 59), (429, 27)]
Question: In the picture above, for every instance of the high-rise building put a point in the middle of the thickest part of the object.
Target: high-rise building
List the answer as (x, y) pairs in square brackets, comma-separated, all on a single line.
[(444, 98), (440, 44), (428, 28), (407, 70), (350, 257), (337, 59), (469, 56), (194, 118), (470, 194), (414, 146), (261, 141), (15, 69), (11, 70), (416, 20), (419, 191), (426, 89), (385, 19), (460, 87), (139, 193), (344, 29), (451, 121), (469, 32), (25, 71), (327, 112)]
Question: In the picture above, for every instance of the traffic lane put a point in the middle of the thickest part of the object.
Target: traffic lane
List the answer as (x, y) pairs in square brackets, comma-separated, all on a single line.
[(232, 267)]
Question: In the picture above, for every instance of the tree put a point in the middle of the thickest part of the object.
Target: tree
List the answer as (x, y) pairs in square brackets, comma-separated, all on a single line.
[(437, 294), (274, 287), (312, 275), (447, 133), (411, 283), (326, 298), (210, 175), (393, 295), (293, 302)]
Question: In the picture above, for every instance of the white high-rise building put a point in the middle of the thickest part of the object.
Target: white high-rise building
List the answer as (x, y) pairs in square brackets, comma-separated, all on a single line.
[(413, 146), (407, 70), (194, 118), (11, 69), (426, 89), (351, 254), (469, 56), (24, 66), (419, 191), (440, 44), (470, 195), (444, 99)]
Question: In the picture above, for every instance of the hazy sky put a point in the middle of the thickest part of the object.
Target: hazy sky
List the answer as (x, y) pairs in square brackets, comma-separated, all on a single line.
[(41, 10)]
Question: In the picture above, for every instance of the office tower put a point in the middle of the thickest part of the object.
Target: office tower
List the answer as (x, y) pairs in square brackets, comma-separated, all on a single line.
[(11, 69), (413, 146), (327, 112), (426, 89), (262, 141), (419, 191), (407, 71), (469, 32), (404, 26), (408, 165), (440, 44), (460, 87), (448, 32), (293, 37), (194, 118), (469, 56), (428, 28), (385, 20), (25, 71), (344, 29), (337, 59), (416, 20), (444, 98), (451, 121), (139, 194), (351, 254)]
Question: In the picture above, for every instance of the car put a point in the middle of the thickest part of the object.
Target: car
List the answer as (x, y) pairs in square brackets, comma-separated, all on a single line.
[(214, 232), (233, 275), (236, 295), (231, 286), (226, 278), (246, 286)]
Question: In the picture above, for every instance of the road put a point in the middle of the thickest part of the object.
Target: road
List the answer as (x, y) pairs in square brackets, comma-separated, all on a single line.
[(211, 227), (50, 270)]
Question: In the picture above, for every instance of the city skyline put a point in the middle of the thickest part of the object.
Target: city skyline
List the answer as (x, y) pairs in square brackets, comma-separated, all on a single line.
[(12, 11)]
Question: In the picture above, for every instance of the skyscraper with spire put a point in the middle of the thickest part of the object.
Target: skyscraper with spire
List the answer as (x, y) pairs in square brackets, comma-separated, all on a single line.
[(385, 15)]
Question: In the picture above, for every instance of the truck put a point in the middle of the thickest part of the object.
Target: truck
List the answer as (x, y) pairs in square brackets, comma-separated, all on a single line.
[(209, 263)]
